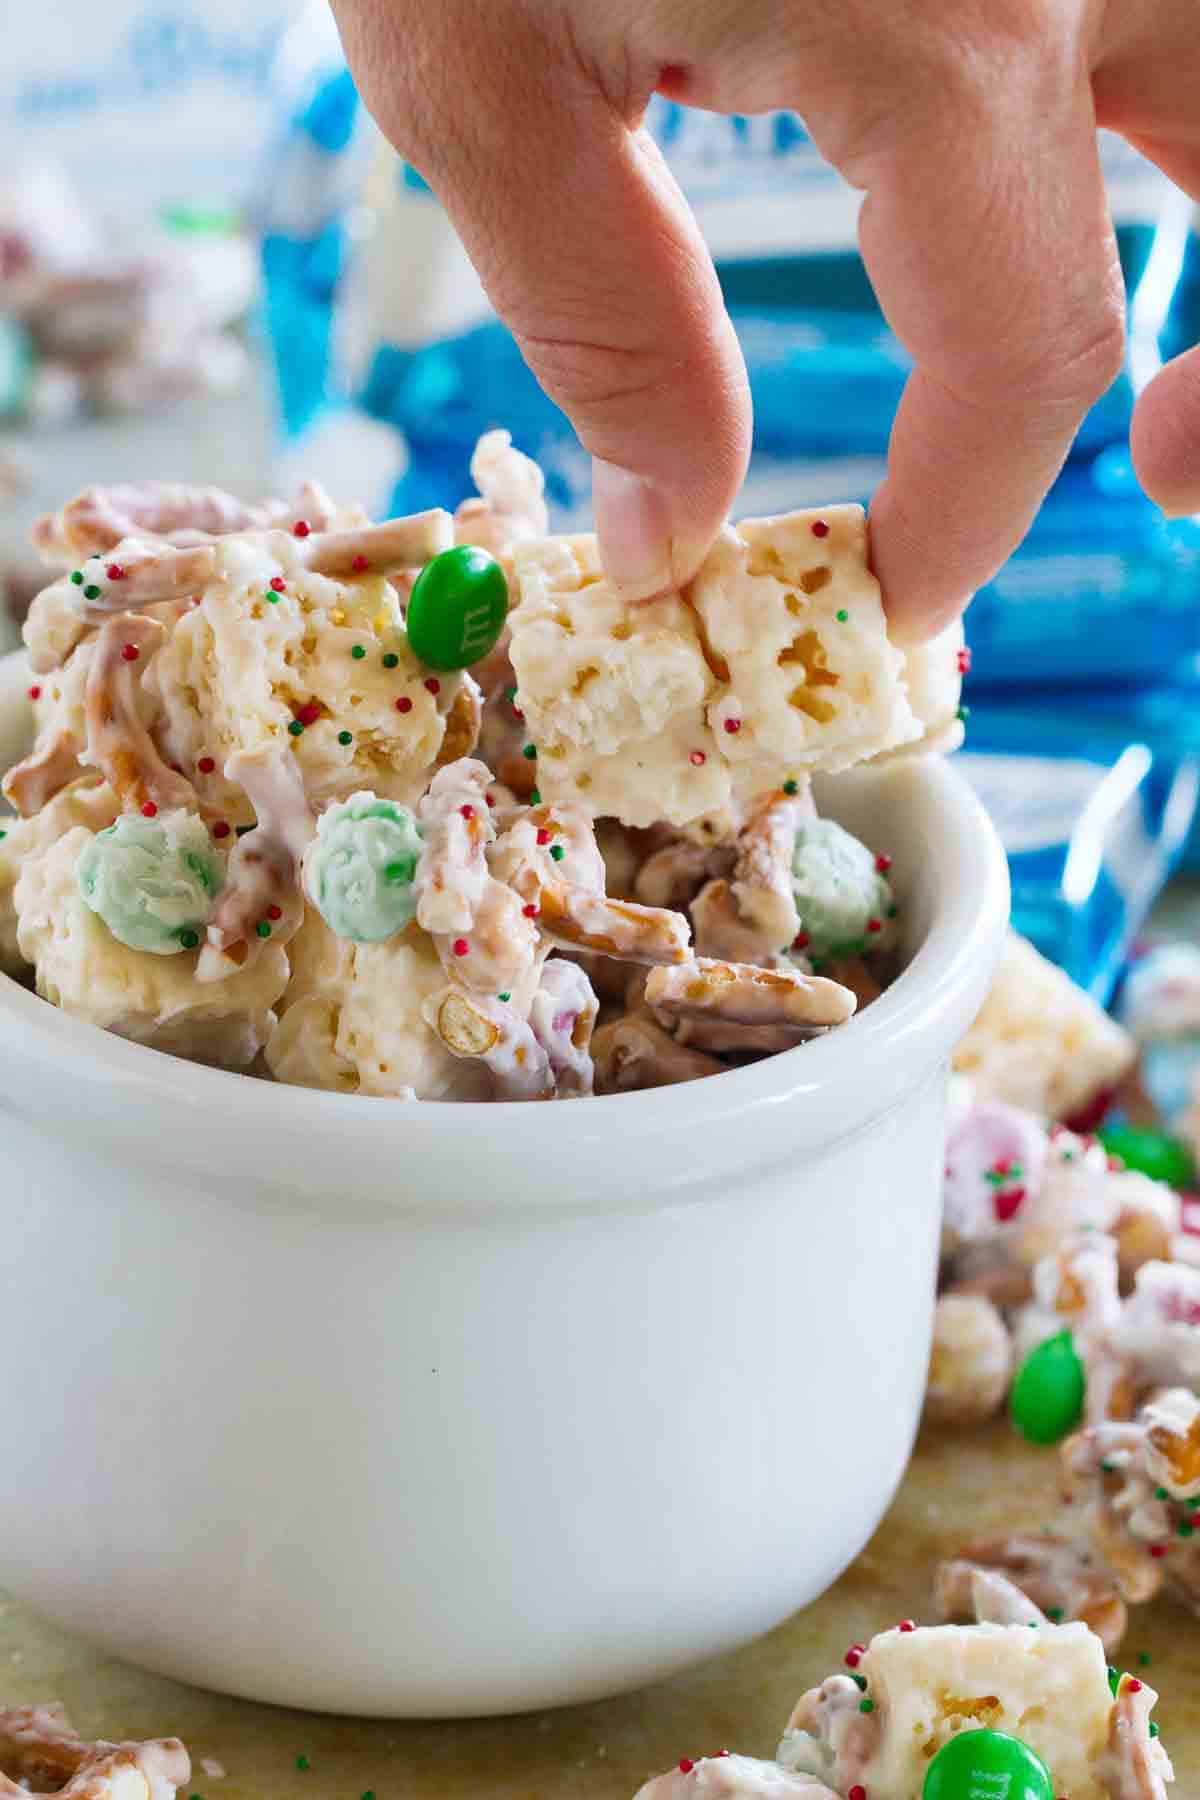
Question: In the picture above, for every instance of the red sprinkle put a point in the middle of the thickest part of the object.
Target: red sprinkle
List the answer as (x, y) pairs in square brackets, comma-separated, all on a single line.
[(309, 714), (964, 661), (801, 941), (857, 1792), (883, 864), (361, 564), (490, 798), (531, 912), (874, 925), (697, 759), (404, 704), (130, 652), (686, 1765), (301, 528), (820, 528), (274, 912), (115, 572), (278, 585), (176, 769), (434, 685), (461, 947), (206, 765), (149, 810), (543, 836), (35, 693), (1133, 1685), (1007, 1205), (220, 829), (907, 1625), (733, 724), (854, 1655), (468, 812), (1158, 1551)]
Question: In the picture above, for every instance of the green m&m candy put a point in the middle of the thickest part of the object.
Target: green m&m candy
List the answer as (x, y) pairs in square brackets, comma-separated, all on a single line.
[(1046, 1402), (1151, 1153), (457, 608), (987, 1765)]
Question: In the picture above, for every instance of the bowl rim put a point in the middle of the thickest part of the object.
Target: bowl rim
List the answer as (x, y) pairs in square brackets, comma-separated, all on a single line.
[(935, 996)]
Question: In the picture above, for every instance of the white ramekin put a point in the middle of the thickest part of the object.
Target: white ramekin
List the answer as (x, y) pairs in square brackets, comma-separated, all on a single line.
[(448, 1410)]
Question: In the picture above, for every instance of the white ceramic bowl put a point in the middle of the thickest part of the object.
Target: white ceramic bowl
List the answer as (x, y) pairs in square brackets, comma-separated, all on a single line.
[(448, 1410)]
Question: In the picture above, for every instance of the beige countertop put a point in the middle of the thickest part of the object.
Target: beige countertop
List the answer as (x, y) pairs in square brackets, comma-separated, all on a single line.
[(955, 1486)]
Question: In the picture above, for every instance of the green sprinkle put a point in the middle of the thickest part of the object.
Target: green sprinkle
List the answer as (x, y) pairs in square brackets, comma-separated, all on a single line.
[(529, 752), (302, 1761), (91, 592), (535, 799), (263, 929), (510, 693), (271, 597), (358, 652), (1114, 1680), (295, 728), (791, 787), (243, 829), (891, 912), (1153, 1729), (841, 615), (345, 737), (860, 1682), (1144, 1659), (866, 1706), (504, 996), (369, 1794), (963, 714), (189, 939), (77, 577), (1161, 1494), (3, 835), (1055, 1614), (1187, 1530), (557, 852), (390, 659)]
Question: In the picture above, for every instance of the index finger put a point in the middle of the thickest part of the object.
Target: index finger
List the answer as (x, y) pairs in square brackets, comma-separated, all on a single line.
[(989, 243)]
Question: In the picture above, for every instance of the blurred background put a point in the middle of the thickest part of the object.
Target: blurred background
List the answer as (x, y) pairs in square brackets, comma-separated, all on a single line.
[(213, 270)]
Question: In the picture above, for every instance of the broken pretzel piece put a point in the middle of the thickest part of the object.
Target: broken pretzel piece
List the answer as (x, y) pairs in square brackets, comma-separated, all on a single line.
[(635, 1053), (1055, 1576), (41, 1754), (490, 1032)]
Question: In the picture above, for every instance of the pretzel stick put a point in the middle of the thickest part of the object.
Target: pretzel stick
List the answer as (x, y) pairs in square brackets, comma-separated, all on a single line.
[(30, 784), (1049, 1571), (721, 930), (97, 520), (762, 880), (118, 743), (147, 575), (262, 883), (379, 549), (742, 994)]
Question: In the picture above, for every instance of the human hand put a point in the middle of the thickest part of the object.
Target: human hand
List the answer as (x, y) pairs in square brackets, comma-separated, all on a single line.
[(970, 124)]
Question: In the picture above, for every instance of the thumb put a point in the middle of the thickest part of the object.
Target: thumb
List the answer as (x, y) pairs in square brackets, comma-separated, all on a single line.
[(589, 254)]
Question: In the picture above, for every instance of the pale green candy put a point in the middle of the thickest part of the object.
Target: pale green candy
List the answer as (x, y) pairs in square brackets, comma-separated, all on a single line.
[(842, 898), (152, 881), (359, 869)]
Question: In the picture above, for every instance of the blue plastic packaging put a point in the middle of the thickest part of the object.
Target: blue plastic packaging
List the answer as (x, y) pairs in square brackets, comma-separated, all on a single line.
[(1093, 797)]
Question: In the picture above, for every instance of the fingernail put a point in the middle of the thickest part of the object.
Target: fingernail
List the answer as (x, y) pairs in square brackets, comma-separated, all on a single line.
[(633, 524)]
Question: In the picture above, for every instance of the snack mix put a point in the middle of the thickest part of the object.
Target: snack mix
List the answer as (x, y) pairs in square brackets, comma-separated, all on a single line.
[(309, 798)]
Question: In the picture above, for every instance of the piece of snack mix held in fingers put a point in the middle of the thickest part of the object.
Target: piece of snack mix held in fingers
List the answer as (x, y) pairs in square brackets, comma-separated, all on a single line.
[(423, 809)]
